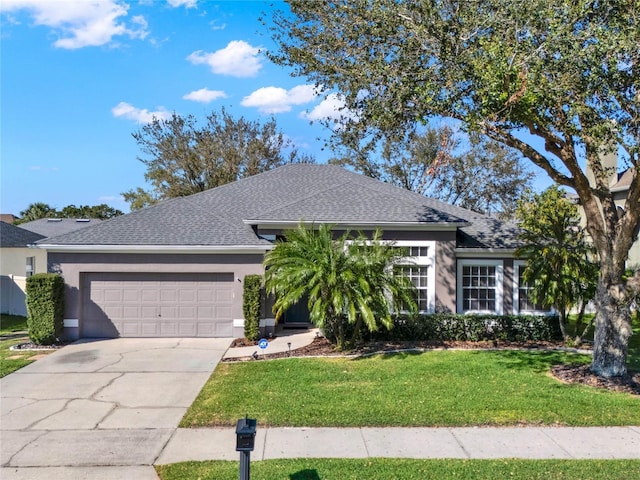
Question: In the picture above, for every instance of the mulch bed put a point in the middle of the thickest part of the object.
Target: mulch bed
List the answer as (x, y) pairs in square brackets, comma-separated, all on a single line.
[(321, 347), (630, 383)]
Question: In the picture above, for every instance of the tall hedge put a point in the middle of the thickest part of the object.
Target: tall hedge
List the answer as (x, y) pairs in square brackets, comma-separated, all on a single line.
[(251, 306), (45, 307)]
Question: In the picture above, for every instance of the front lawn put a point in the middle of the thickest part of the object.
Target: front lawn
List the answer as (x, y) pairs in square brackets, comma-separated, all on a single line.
[(13, 330), (10, 324), (437, 388), (405, 469)]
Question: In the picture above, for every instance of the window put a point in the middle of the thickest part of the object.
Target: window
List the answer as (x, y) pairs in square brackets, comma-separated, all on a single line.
[(521, 301), (420, 270), (31, 266), (480, 286), (419, 276)]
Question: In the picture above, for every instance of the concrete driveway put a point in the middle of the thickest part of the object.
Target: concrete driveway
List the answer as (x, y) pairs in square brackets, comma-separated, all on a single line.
[(100, 409)]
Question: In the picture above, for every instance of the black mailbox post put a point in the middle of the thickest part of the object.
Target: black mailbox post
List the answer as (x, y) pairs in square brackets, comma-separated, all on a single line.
[(245, 441)]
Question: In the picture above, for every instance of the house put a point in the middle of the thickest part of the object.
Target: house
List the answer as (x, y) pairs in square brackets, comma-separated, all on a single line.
[(8, 218), (51, 227), (619, 183), (177, 268), (17, 262)]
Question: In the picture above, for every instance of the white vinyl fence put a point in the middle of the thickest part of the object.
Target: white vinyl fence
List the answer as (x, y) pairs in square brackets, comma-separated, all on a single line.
[(12, 295)]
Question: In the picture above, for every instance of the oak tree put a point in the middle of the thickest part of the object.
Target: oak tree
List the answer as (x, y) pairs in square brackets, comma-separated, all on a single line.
[(556, 80), (183, 158)]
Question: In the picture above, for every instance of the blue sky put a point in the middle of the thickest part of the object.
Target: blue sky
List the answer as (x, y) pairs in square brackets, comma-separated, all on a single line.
[(79, 77)]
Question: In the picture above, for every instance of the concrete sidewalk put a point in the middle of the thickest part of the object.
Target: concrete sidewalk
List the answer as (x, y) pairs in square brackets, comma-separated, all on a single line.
[(463, 443)]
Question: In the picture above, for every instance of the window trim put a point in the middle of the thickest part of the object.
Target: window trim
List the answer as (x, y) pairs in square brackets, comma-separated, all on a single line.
[(482, 262), (428, 261), (517, 264), (30, 266)]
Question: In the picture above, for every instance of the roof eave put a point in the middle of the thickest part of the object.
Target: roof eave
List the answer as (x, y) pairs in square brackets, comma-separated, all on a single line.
[(420, 226), (485, 252), (180, 249)]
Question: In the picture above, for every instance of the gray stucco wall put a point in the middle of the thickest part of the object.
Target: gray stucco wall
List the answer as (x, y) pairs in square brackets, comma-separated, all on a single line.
[(72, 266), (445, 263)]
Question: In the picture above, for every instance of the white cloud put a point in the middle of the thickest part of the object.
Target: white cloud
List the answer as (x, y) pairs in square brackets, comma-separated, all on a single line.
[(39, 168), (216, 26), (183, 3), (81, 24), (278, 100), (110, 198), (204, 95), (140, 115), (332, 108), (238, 59)]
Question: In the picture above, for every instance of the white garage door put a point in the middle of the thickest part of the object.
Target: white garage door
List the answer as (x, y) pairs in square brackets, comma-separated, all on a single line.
[(157, 305)]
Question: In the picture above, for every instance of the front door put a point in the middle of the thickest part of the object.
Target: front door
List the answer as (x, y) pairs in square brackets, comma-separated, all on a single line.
[(298, 314)]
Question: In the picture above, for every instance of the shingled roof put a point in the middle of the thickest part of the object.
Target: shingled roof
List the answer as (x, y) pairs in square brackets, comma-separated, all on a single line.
[(51, 227), (13, 236), (224, 216)]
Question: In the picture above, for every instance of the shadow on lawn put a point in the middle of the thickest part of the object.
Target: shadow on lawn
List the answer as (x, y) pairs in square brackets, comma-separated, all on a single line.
[(306, 474), (539, 362)]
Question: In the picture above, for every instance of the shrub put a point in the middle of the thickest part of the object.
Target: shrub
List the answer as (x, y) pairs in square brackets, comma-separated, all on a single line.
[(251, 306), (45, 307), (450, 327)]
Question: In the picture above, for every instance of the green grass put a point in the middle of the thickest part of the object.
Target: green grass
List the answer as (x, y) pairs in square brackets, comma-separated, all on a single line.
[(438, 388), (11, 327), (405, 469), (12, 323)]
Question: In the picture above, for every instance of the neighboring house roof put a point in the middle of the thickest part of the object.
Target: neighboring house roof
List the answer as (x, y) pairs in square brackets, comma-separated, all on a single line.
[(13, 236), (226, 215), (624, 181), (8, 218), (51, 227)]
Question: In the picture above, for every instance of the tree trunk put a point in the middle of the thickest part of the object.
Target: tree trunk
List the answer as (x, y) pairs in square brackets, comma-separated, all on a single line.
[(612, 331)]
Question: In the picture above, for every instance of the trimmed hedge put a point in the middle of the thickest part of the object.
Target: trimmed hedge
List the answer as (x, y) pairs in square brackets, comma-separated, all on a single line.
[(473, 328), (251, 306), (45, 307)]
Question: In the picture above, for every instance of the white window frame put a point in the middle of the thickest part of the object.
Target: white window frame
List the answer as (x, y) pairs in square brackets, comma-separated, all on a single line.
[(30, 266), (517, 265), (428, 261), (499, 264)]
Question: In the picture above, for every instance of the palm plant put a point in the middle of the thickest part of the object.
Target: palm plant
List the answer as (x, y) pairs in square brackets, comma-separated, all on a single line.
[(347, 281), (559, 268)]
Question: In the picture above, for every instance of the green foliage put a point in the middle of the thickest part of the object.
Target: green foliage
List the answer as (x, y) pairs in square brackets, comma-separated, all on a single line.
[(555, 80), (45, 307), (559, 266), (36, 211), (473, 328), (347, 280), (182, 158), (434, 388), (251, 306), (486, 177), (12, 323), (406, 469), (102, 212)]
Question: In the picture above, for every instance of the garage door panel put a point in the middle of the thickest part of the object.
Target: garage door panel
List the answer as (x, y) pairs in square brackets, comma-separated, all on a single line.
[(223, 295), (148, 293), (150, 305)]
